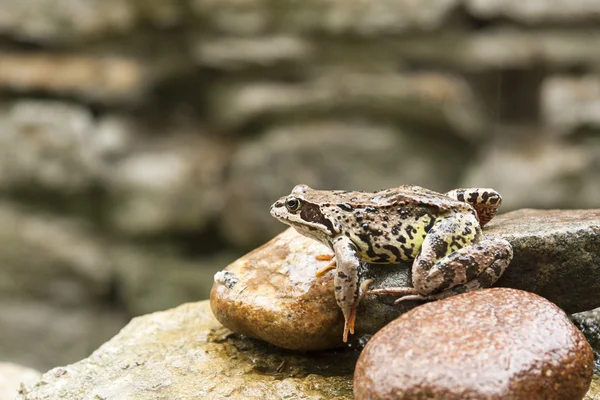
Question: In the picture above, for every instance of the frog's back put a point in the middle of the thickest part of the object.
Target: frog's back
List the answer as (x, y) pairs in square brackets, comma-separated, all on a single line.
[(390, 225)]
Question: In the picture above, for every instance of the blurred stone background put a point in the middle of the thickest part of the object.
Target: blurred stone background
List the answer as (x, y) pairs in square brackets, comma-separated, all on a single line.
[(142, 141)]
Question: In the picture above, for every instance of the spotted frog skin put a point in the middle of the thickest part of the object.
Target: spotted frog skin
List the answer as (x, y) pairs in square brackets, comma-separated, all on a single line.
[(440, 233)]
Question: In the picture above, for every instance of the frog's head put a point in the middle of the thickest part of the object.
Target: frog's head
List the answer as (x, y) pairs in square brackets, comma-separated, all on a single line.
[(303, 209)]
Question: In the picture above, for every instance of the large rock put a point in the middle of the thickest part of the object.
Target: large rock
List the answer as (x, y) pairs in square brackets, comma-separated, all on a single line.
[(272, 293), (185, 353), (490, 344), (322, 16), (11, 377), (442, 101), (328, 155), (501, 48), (54, 146), (571, 103), (167, 184), (52, 259), (535, 12)]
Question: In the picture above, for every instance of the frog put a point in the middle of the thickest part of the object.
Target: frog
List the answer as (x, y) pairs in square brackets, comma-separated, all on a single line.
[(440, 233)]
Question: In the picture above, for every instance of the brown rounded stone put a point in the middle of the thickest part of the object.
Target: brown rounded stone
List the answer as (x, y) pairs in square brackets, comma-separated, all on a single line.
[(273, 294), (490, 344)]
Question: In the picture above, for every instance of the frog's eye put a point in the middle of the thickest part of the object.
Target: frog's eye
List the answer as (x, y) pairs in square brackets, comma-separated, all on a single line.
[(292, 204)]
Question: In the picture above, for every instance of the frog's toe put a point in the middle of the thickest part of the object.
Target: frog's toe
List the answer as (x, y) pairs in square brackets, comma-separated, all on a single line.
[(349, 324), (414, 297), (326, 269)]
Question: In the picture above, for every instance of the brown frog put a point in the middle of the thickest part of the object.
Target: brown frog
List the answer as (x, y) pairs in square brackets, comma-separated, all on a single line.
[(440, 232)]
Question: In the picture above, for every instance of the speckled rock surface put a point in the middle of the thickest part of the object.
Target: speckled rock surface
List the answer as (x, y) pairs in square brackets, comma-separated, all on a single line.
[(477, 345), (11, 376), (272, 293), (184, 353)]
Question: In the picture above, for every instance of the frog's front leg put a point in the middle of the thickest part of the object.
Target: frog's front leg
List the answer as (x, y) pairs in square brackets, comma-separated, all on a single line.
[(346, 281)]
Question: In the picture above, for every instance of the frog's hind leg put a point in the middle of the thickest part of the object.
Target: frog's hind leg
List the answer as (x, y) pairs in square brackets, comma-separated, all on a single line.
[(485, 201), (466, 262), (453, 254)]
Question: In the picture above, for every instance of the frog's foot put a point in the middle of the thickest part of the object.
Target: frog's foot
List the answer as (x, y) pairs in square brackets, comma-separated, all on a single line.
[(328, 267), (485, 201), (349, 324)]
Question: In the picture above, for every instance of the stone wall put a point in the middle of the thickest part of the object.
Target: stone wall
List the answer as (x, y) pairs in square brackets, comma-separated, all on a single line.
[(142, 141)]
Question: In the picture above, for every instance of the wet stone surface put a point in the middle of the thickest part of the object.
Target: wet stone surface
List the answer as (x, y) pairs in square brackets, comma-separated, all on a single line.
[(477, 345), (184, 353), (273, 294)]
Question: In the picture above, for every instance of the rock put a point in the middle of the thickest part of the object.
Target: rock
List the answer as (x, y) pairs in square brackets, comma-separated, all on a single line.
[(43, 335), (594, 392), (501, 48), (328, 155), (424, 99), (238, 53), (589, 324), (104, 79), (68, 21), (571, 103), (562, 175), (272, 293), (477, 345), (535, 12), (52, 259), (185, 353), (11, 377), (55, 146), (556, 255), (171, 184), (322, 16)]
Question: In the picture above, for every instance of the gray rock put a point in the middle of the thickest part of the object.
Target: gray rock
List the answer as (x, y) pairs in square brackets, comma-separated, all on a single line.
[(11, 377), (489, 344), (51, 259), (50, 21), (589, 323), (172, 184), (328, 155), (58, 147), (535, 12), (322, 16), (571, 103), (501, 48), (237, 53), (426, 99), (556, 255), (185, 353), (44, 143), (558, 174)]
